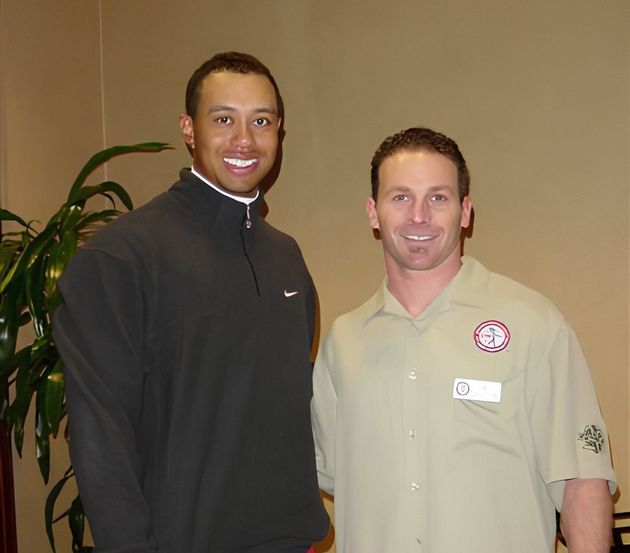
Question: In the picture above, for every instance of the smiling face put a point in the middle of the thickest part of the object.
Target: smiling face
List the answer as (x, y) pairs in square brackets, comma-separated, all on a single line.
[(418, 212), (233, 136)]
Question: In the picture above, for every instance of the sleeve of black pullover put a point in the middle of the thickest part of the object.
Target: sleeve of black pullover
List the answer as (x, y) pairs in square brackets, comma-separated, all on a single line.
[(98, 331), (312, 313)]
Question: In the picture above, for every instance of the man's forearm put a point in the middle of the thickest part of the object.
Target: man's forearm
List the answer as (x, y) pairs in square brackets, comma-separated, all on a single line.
[(586, 516)]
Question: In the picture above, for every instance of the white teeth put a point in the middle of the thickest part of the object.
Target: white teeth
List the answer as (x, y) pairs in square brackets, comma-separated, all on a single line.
[(418, 238), (237, 162)]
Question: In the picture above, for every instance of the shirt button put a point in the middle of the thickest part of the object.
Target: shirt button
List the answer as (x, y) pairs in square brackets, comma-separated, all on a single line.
[(415, 487), (412, 433), (412, 375)]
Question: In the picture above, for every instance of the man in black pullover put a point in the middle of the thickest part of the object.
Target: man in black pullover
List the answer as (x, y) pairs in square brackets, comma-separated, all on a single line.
[(186, 333)]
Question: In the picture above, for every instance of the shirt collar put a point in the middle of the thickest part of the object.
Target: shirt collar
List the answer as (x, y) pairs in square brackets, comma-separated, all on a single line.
[(241, 199), (468, 287)]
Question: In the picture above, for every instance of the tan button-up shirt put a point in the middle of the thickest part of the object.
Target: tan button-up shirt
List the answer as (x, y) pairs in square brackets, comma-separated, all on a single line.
[(455, 430)]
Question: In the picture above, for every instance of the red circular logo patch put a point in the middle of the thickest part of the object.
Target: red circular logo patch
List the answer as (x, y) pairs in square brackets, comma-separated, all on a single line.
[(492, 336)]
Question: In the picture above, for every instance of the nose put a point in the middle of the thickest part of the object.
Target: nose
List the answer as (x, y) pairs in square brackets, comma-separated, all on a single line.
[(420, 211), (242, 135)]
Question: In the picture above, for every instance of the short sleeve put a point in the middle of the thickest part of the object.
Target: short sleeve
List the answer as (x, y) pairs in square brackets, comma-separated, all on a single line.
[(569, 433)]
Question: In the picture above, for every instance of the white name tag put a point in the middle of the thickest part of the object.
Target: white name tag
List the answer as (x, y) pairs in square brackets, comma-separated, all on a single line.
[(477, 390)]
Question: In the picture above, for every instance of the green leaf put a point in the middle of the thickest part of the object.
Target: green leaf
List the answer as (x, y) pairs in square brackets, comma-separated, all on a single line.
[(6, 371), (61, 215), (30, 369), (94, 217), (49, 507), (18, 431), (4, 397), (22, 401), (34, 280), (9, 323), (28, 255), (42, 438), (105, 155), (49, 407), (50, 399), (92, 221), (42, 360), (14, 362), (8, 254), (6, 215), (58, 258), (24, 319), (76, 521), (69, 219), (83, 194)]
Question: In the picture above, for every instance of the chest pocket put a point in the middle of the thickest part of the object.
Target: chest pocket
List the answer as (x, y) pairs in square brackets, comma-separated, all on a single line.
[(487, 424)]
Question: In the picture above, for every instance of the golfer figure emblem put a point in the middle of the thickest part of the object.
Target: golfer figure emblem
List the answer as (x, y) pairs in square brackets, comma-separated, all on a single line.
[(492, 336)]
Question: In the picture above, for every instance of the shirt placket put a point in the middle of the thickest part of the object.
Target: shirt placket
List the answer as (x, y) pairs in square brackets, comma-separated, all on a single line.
[(416, 431)]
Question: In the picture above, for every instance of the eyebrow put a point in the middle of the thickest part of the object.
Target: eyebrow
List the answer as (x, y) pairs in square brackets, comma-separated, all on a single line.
[(399, 188), (215, 109), (441, 188), (431, 189)]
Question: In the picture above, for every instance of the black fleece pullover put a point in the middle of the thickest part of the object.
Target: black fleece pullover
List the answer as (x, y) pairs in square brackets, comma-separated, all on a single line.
[(186, 341)]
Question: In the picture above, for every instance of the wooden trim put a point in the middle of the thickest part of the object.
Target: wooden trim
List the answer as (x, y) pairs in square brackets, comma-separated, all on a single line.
[(8, 531)]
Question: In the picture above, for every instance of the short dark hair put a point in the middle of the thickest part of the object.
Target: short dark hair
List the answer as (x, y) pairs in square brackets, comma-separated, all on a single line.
[(419, 138), (233, 62)]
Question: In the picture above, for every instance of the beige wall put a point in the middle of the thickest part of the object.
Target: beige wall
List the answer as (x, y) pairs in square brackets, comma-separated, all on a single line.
[(52, 124), (537, 94)]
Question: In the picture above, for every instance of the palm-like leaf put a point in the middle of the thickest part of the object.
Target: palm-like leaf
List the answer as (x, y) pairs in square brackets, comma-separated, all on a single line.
[(104, 156)]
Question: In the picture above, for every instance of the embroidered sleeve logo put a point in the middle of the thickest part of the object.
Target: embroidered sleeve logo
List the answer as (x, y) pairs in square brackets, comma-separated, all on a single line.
[(592, 438)]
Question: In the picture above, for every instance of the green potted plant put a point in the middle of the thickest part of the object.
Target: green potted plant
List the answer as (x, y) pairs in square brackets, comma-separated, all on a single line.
[(31, 263)]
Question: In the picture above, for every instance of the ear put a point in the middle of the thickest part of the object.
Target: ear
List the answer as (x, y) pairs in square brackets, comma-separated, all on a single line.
[(188, 132), (466, 211), (282, 132), (370, 210)]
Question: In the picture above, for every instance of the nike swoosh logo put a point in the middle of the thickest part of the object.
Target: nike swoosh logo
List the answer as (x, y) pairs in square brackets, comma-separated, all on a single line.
[(288, 294)]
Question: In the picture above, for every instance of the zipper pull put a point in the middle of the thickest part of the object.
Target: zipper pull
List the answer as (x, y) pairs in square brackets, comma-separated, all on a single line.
[(248, 221)]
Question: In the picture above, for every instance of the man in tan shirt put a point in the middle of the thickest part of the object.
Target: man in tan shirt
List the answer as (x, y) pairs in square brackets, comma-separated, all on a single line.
[(454, 410)]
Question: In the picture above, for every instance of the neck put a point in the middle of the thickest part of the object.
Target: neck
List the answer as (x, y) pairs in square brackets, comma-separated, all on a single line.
[(416, 290)]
